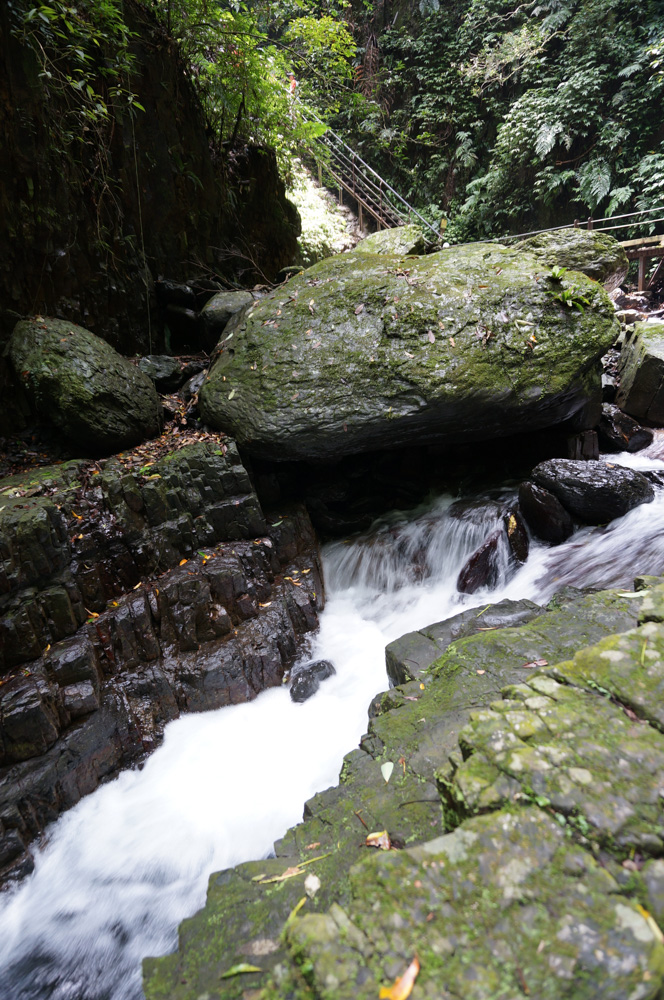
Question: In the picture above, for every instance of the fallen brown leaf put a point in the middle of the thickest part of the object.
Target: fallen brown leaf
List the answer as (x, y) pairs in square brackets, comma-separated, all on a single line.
[(402, 987)]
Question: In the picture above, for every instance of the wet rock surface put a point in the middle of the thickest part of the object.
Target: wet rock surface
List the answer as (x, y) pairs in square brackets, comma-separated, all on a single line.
[(164, 371), (409, 657), (490, 892), (79, 383), (641, 392), (545, 515), (593, 492), (619, 432), (369, 351), (127, 598), (308, 679)]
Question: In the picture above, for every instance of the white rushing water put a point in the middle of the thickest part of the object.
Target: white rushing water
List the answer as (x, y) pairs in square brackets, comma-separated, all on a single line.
[(119, 871)]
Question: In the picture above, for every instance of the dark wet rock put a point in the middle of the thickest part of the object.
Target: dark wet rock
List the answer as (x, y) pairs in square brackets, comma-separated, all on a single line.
[(77, 382), (408, 657), (517, 535), (595, 254), (174, 293), (308, 679), (215, 631), (165, 372), (618, 432), (654, 476), (641, 392), (193, 385), (68, 554), (594, 492), (193, 368), (544, 514), (333, 365), (583, 446), (96, 655), (218, 310), (483, 567), (503, 549), (494, 875)]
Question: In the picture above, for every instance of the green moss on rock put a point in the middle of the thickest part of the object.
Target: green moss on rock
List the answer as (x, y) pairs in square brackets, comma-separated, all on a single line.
[(80, 384), (595, 254), (365, 351)]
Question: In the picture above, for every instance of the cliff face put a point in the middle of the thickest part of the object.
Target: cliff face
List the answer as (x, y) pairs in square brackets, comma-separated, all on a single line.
[(87, 229)]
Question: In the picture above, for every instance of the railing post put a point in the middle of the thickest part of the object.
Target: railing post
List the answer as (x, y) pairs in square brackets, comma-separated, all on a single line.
[(590, 222), (577, 223)]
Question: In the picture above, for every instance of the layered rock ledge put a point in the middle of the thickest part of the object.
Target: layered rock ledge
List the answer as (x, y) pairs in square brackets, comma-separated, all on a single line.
[(128, 597)]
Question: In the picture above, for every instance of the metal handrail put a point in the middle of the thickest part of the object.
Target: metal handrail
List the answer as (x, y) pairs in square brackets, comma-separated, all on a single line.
[(355, 157), (370, 185), (360, 181)]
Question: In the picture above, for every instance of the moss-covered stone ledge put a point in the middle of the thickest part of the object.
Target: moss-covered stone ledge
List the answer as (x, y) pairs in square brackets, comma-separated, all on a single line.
[(502, 886)]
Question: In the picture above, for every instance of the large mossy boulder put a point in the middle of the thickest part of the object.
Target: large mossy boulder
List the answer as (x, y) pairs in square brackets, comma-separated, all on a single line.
[(595, 254), (80, 384), (369, 351)]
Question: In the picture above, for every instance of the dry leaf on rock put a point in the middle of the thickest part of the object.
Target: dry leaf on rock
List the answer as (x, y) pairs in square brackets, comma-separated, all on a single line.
[(238, 970), (381, 840), (402, 987)]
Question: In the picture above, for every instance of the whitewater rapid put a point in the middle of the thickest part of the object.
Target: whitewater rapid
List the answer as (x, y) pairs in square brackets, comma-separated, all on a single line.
[(117, 873)]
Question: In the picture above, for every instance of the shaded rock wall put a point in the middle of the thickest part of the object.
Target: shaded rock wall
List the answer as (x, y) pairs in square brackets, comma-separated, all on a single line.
[(72, 248)]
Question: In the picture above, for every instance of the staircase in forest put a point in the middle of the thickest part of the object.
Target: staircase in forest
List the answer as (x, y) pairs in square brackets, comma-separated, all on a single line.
[(339, 165)]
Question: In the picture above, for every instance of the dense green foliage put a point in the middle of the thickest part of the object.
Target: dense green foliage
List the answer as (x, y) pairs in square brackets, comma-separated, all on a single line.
[(504, 115), (499, 115)]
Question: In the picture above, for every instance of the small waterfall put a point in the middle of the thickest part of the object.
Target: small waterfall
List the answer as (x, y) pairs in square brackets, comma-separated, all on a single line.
[(118, 872)]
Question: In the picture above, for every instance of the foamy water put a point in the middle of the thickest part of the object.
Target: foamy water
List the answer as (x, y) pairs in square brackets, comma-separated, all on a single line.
[(121, 869)]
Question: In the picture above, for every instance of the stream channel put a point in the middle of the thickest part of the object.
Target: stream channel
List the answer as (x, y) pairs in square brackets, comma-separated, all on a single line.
[(116, 874)]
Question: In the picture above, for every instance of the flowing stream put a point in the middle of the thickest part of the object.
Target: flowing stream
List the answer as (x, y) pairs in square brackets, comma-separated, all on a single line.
[(119, 871)]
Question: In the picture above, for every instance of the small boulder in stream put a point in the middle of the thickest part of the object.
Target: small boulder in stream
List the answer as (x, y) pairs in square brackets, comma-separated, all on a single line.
[(371, 351), (544, 514), (79, 383), (619, 432), (593, 492), (307, 680)]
